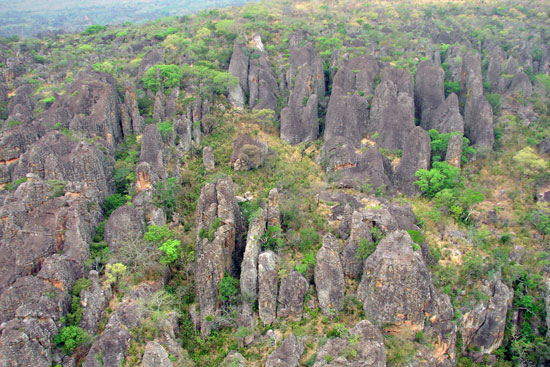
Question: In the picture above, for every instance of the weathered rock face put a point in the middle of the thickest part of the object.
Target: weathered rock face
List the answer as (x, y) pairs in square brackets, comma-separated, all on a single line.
[(299, 120), (429, 90), (273, 213), (544, 146), (216, 205), (416, 156), (353, 168), (248, 153), (21, 105), (131, 119), (267, 286), (124, 224), (359, 229), (262, 84), (208, 158), (288, 355), (478, 114), (494, 72), (234, 359), (183, 133), (520, 84), (151, 152), (348, 112), (396, 288), (155, 355), (91, 105), (238, 67), (391, 115), (453, 156), (158, 106), (483, 327), (249, 266), (13, 143), (329, 276), (446, 118), (93, 300), (111, 347), (369, 349), (291, 296)]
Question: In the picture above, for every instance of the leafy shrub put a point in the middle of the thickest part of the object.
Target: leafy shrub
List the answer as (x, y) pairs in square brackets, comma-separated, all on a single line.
[(308, 239), (452, 87), (165, 130), (170, 76), (441, 176), (58, 187), (93, 29), (71, 337), (228, 288), (365, 248), (307, 264), (171, 250), (211, 232), (166, 193), (112, 202), (494, 101), (271, 240)]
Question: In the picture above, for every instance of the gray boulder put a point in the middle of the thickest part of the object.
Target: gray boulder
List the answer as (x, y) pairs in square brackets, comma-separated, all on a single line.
[(429, 90), (494, 71), (93, 300), (368, 349), (152, 58), (291, 296), (329, 276), (359, 229), (124, 224), (208, 159), (151, 151), (391, 116), (453, 156), (234, 359), (155, 355), (262, 84), (238, 67), (288, 354), (218, 212), (416, 156), (483, 327), (247, 153), (267, 286), (132, 122), (446, 118)]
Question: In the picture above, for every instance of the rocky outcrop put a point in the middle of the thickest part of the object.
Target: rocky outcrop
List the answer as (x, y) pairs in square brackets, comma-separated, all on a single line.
[(247, 153), (91, 105), (396, 288), (273, 213), (219, 214), (288, 354), (366, 350), (494, 71), (453, 156), (446, 118), (391, 116), (429, 90), (478, 114), (151, 152), (155, 355), (151, 59), (329, 277), (183, 134), (291, 296), (359, 230), (351, 167), (125, 224), (93, 300), (416, 156), (483, 327), (348, 109), (132, 122), (234, 359), (208, 159), (299, 120), (21, 105), (268, 280), (111, 347), (256, 79)]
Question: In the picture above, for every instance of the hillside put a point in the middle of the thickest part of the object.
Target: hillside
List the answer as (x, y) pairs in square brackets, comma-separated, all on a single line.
[(299, 183)]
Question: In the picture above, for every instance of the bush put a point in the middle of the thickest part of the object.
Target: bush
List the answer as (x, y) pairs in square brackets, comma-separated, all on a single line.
[(271, 239), (71, 337), (166, 192), (170, 76), (452, 87), (171, 250), (494, 101), (441, 176), (229, 289), (210, 232), (308, 239), (93, 29), (112, 202), (365, 248)]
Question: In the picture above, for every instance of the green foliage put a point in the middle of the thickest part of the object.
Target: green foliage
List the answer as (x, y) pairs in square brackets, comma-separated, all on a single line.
[(168, 76), (158, 234), (12, 186), (416, 236), (208, 79), (540, 219), (537, 54), (307, 264), (71, 337), (81, 284), (210, 232), (171, 250), (114, 272), (494, 101), (441, 176), (457, 202), (308, 239), (229, 289), (112, 202), (271, 240), (529, 162), (440, 143), (58, 187), (93, 29), (166, 194), (452, 87), (339, 331), (165, 129), (161, 36), (365, 248), (13, 123), (104, 67), (48, 101)]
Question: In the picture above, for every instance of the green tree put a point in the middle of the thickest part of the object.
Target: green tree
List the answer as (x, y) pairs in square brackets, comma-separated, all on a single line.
[(169, 76), (441, 176)]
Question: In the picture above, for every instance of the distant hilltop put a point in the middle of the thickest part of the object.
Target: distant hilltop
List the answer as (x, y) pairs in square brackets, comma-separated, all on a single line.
[(30, 18)]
